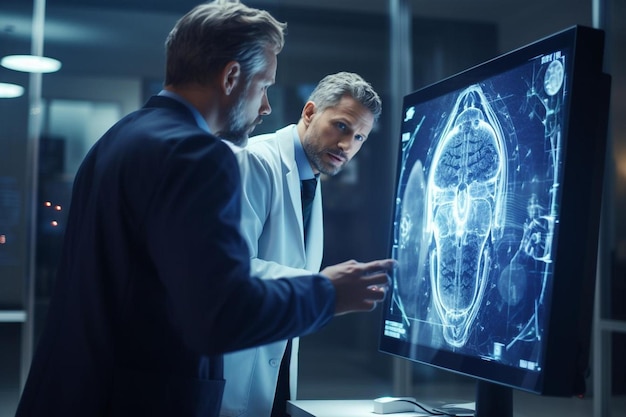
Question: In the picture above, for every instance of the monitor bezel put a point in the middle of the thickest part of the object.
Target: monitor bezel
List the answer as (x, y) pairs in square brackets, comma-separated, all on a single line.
[(576, 252)]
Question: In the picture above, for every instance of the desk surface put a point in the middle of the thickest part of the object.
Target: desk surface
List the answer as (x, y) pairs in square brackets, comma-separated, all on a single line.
[(339, 408)]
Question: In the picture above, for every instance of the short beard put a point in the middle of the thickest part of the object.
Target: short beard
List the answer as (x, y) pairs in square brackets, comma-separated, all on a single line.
[(237, 131), (314, 156)]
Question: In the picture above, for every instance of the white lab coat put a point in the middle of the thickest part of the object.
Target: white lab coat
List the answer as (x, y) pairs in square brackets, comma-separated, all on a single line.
[(272, 226)]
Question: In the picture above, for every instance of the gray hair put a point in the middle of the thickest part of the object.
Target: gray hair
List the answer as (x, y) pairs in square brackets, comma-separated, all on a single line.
[(212, 34), (332, 88)]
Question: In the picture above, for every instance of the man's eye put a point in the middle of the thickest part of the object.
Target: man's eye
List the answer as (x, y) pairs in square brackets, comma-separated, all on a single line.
[(342, 126), (359, 138)]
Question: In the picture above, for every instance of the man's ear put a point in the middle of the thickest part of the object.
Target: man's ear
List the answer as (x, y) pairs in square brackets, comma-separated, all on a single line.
[(308, 111), (230, 77)]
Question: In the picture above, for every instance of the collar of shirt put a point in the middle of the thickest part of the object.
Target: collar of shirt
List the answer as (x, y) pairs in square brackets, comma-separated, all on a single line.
[(304, 167), (202, 124)]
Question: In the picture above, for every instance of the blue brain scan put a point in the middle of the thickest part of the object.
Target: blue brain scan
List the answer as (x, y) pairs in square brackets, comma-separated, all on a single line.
[(475, 214)]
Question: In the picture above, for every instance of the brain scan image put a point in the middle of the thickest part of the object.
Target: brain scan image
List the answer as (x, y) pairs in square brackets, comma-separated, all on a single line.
[(475, 214), (464, 210)]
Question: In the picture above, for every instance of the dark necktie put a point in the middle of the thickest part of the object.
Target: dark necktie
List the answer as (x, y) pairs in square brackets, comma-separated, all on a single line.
[(307, 191), (279, 409)]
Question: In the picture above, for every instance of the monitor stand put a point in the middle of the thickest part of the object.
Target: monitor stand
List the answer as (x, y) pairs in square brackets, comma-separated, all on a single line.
[(493, 400)]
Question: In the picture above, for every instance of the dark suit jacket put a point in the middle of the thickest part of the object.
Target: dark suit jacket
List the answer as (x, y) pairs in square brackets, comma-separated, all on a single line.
[(154, 278)]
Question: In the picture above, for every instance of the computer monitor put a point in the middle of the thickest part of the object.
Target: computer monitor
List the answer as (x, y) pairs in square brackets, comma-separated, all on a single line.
[(496, 220)]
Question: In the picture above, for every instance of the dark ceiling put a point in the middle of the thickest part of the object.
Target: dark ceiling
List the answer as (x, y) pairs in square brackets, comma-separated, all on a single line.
[(126, 36)]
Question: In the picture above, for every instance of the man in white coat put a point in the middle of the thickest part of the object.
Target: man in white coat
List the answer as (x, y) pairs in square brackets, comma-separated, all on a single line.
[(334, 124)]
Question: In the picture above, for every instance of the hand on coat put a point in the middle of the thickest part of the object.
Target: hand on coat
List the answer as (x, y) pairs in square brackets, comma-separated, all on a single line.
[(359, 286)]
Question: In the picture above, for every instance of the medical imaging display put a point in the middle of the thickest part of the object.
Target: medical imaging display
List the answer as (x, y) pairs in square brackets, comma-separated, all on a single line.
[(476, 214)]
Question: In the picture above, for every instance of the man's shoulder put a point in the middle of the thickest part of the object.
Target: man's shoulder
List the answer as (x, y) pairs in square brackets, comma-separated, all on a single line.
[(270, 144), (271, 139), (161, 136)]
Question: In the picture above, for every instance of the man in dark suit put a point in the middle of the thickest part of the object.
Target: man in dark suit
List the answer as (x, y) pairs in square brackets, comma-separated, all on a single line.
[(153, 285)]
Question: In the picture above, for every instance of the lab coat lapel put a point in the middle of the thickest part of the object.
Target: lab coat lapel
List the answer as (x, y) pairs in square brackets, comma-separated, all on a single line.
[(284, 138)]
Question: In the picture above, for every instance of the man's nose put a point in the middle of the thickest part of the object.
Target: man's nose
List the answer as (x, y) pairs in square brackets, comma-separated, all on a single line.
[(265, 109)]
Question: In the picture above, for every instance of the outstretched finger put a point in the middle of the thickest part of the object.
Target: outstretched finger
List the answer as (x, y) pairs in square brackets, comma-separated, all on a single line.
[(376, 293), (379, 265), (369, 305), (377, 278)]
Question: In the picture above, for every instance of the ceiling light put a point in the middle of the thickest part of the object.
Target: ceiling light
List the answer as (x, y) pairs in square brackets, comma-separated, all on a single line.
[(10, 90), (30, 63)]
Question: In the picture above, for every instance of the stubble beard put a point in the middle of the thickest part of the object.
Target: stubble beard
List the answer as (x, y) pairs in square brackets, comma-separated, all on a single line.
[(237, 129), (315, 156)]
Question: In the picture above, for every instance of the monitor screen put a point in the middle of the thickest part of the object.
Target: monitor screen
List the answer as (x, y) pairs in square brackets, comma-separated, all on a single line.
[(496, 216)]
